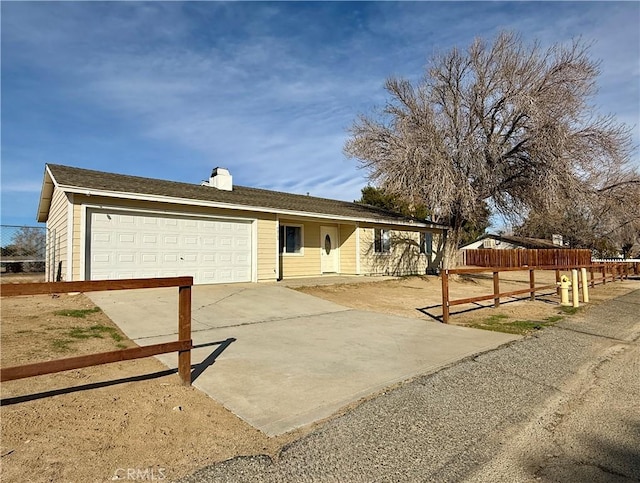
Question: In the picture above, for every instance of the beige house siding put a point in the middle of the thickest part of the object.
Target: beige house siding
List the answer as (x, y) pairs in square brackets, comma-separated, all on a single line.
[(348, 264), (267, 263), (404, 257), (266, 249), (306, 263), (57, 226), (77, 242)]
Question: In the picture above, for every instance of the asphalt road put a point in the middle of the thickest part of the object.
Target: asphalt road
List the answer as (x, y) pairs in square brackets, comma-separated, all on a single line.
[(562, 405)]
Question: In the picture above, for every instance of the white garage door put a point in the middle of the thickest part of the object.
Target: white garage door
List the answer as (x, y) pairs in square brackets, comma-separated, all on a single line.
[(132, 245)]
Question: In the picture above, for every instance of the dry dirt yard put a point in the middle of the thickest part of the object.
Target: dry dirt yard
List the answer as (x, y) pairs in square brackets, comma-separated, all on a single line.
[(95, 424), (421, 297)]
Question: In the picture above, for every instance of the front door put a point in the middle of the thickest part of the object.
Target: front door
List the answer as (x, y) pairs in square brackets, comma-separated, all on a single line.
[(330, 259)]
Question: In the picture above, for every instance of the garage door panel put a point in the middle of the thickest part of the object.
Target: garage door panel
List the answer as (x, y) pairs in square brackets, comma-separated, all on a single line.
[(100, 220), (149, 239), (101, 237), (126, 258), (149, 220), (149, 274), (241, 242), (170, 240), (190, 241), (152, 258), (170, 257), (126, 239), (242, 258), (124, 245), (102, 258)]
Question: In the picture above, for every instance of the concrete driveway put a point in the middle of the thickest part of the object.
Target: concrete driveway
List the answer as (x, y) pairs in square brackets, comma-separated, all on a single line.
[(280, 359)]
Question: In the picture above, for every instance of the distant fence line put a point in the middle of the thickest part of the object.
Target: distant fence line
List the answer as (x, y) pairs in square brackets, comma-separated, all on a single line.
[(486, 257), (27, 252)]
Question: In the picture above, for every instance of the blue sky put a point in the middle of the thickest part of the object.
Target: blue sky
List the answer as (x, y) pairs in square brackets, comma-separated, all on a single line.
[(171, 90)]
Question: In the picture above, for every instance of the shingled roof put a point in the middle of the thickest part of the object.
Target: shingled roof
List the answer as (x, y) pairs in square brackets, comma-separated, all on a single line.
[(72, 179), (525, 242)]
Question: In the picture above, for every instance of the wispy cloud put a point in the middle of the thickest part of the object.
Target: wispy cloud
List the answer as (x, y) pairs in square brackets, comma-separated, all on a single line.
[(23, 187), (170, 90)]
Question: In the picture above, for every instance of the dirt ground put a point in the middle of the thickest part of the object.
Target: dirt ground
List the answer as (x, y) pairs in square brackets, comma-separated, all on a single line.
[(101, 422), (134, 418), (421, 297)]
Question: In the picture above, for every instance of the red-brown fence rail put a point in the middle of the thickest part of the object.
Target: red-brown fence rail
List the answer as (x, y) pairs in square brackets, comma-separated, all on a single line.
[(598, 273), (183, 345), (485, 257)]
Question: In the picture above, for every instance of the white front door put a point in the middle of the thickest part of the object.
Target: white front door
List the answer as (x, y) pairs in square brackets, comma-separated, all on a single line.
[(330, 256)]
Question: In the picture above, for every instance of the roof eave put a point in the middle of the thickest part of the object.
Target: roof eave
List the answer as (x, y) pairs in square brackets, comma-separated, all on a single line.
[(46, 195), (232, 206)]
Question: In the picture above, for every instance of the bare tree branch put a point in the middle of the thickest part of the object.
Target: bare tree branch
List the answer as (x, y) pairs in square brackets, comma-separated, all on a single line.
[(502, 123)]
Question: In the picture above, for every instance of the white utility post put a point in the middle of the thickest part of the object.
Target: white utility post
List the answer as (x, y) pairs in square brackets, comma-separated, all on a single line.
[(574, 287), (585, 285)]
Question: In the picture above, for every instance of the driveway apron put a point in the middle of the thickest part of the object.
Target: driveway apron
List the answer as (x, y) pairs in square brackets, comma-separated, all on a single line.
[(281, 359)]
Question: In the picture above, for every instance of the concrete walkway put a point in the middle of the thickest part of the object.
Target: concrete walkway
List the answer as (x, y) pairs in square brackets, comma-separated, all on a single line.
[(280, 359)]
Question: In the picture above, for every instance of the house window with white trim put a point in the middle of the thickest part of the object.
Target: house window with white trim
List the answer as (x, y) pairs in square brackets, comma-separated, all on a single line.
[(291, 239), (382, 241)]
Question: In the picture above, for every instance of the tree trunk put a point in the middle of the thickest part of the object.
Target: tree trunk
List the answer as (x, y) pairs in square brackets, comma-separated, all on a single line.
[(450, 257)]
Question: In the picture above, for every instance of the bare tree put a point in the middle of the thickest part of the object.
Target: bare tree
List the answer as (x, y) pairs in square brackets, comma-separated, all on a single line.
[(506, 124), (607, 221), (29, 241)]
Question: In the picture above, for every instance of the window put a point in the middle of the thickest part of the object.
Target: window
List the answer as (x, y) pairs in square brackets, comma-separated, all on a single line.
[(382, 241), (290, 239), (426, 243)]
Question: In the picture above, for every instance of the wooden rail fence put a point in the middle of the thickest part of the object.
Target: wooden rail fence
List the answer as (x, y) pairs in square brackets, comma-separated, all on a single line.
[(605, 272), (183, 345)]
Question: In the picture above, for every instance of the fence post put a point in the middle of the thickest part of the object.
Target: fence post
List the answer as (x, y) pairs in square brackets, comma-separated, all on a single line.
[(496, 289), (558, 282), (585, 285), (445, 296), (51, 258), (184, 333), (532, 284), (604, 274), (591, 276)]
